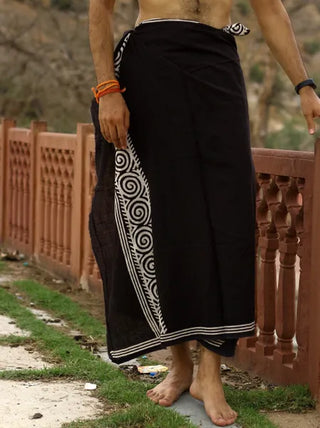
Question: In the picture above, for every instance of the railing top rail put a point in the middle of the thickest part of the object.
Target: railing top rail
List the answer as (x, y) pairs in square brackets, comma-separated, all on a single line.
[(285, 154), (57, 135), (18, 133), (284, 162)]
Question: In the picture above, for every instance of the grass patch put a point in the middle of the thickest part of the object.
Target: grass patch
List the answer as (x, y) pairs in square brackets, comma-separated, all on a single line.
[(3, 266), (15, 340), (63, 307), (134, 409), (78, 363), (293, 398), (144, 415)]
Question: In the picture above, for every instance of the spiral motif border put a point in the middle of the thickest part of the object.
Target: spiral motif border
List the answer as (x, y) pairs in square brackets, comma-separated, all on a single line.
[(133, 219)]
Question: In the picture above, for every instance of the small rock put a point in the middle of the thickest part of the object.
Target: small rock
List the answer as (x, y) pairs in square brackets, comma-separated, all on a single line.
[(90, 386), (32, 304), (54, 320), (225, 368), (37, 416), (78, 336)]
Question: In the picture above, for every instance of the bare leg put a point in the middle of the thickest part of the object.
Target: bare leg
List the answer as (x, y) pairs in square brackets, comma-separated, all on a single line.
[(178, 379), (207, 386)]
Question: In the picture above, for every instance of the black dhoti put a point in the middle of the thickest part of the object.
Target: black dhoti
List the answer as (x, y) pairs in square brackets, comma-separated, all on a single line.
[(172, 220)]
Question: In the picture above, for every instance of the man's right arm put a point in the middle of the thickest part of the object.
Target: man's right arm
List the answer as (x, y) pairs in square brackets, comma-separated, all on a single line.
[(113, 112)]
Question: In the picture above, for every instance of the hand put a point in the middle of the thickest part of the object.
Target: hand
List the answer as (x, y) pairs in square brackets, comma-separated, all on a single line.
[(114, 119), (310, 105)]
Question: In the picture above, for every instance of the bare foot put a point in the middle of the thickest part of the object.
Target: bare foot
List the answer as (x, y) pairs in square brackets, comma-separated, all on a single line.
[(169, 390), (207, 387), (178, 379)]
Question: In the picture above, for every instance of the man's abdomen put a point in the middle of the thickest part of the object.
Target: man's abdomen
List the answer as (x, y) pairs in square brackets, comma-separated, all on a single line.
[(211, 12)]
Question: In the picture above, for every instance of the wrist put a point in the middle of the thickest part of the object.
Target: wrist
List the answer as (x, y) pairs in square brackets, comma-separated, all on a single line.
[(306, 90), (305, 84)]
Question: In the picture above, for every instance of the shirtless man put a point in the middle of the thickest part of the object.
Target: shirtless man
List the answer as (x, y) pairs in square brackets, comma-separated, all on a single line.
[(114, 122)]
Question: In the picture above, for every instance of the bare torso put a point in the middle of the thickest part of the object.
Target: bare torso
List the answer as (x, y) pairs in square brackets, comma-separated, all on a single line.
[(211, 12)]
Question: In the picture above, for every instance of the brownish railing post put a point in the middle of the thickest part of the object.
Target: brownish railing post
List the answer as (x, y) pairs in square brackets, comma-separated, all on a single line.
[(34, 220), (266, 293), (6, 124), (78, 223), (314, 304), (285, 311)]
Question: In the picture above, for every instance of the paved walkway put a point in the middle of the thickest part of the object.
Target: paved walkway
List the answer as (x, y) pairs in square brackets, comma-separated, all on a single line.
[(38, 404), (189, 406)]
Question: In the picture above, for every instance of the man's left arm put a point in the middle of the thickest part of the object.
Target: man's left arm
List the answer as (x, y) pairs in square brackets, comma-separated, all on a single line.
[(278, 33)]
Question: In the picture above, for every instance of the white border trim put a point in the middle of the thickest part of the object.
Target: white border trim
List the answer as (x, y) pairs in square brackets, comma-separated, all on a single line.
[(140, 347)]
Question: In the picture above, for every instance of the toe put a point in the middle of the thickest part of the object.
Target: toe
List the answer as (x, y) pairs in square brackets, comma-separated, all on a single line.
[(219, 420), (154, 399), (166, 402), (150, 393)]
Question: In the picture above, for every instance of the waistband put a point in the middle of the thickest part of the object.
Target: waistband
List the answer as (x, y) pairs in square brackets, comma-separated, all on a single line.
[(235, 29)]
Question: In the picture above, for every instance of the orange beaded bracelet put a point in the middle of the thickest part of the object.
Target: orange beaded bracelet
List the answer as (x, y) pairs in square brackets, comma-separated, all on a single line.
[(107, 87)]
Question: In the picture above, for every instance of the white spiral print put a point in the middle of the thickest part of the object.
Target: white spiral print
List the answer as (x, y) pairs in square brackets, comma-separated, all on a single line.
[(236, 29), (123, 160), (131, 184), (133, 219), (138, 211), (143, 237), (133, 211)]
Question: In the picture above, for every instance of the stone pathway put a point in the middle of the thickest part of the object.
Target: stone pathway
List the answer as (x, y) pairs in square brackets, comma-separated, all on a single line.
[(50, 404), (42, 404), (8, 326), (18, 358), (194, 409)]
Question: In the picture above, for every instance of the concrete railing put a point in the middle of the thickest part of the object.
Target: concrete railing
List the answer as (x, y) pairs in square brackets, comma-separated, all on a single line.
[(47, 182)]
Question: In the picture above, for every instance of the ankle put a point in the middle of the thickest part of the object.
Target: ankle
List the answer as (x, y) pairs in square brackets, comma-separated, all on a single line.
[(185, 365), (208, 374)]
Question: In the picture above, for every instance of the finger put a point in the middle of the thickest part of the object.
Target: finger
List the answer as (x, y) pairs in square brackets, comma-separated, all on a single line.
[(310, 123), (122, 134), (127, 119), (105, 132), (108, 134), (114, 136)]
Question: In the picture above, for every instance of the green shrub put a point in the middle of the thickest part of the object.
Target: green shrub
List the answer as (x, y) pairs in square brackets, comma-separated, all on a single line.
[(256, 73), (291, 137), (62, 4), (243, 7), (312, 47)]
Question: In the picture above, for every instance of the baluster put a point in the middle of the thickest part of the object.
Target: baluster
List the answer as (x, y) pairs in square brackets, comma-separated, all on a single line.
[(96, 271), (14, 212), (19, 205), (42, 216), (26, 207), (266, 292), (47, 217), (54, 220), (302, 309), (67, 224), (60, 202), (285, 312), (90, 262)]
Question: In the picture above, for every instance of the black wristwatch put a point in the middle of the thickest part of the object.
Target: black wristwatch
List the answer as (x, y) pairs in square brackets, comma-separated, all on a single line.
[(307, 82)]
